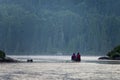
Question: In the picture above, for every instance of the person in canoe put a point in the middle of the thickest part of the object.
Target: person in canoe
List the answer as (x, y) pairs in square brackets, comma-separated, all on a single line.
[(73, 57), (78, 59)]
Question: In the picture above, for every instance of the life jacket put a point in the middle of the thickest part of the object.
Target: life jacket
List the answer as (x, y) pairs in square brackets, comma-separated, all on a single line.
[(73, 57), (78, 57)]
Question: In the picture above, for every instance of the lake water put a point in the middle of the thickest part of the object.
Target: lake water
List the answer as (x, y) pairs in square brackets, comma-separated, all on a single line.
[(60, 68)]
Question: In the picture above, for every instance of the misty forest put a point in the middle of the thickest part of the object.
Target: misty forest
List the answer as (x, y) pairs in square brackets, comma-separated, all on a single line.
[(91, 27)]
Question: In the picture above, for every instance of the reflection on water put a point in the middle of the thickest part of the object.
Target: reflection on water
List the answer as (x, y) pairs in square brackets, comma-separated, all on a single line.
[(60, 68)]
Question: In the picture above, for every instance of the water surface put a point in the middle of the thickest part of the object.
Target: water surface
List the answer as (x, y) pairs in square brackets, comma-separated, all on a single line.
[(59, 68)]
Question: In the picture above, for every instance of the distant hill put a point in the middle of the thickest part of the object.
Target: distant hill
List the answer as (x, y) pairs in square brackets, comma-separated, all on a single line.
[(50, 26)]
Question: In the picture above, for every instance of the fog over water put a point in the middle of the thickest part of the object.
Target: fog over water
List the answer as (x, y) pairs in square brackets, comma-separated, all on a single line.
[(60, 70), (52, 58)]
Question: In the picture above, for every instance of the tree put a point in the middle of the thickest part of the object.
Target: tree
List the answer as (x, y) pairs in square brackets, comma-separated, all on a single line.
[(2, 54), (114, 53)]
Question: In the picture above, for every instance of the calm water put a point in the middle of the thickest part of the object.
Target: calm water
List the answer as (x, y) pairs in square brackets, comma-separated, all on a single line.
[(59, 68)]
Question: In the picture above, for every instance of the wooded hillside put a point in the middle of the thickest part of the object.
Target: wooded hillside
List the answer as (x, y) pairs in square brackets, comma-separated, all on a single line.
[(50, 26)]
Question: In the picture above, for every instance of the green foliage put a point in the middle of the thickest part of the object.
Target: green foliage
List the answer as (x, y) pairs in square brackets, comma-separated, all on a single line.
[(88, 26), (2, 54), (114, 53)]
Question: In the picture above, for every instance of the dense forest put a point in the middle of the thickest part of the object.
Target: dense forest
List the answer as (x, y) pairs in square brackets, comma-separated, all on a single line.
[(91, 27)]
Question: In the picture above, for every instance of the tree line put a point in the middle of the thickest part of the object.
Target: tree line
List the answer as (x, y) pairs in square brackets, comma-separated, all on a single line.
[(48, 27)]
